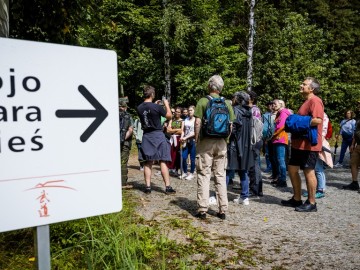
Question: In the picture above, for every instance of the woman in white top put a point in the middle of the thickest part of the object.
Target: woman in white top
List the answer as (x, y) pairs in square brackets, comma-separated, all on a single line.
[(187, 140)]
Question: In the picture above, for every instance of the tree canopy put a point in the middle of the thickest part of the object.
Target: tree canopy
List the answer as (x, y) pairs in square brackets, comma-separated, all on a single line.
[(293, 40)]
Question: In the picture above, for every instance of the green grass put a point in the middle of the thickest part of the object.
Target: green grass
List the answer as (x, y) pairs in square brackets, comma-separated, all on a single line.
[(122, 241)]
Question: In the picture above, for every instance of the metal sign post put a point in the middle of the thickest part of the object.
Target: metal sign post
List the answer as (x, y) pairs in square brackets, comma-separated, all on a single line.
[(42, 246)]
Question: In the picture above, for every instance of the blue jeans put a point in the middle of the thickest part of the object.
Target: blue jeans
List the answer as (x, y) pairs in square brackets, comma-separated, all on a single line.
[(244, 181), (230, 174), (320, 175), (346, 143), (267, 158), (189, 149), (280, 154)]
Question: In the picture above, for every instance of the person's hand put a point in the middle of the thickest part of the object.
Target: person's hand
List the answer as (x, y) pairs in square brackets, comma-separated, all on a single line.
[(158, 102), (352, 148), (165, 101), (337, 136)]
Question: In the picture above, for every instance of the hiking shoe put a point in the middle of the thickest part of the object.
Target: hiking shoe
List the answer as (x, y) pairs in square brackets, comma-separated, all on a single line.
[(291, 203), (221, 216), (354, 185), (281, 184), (201, 215), (147, 190), (306, 207), (169, 190), (190, 176), (338, 165)]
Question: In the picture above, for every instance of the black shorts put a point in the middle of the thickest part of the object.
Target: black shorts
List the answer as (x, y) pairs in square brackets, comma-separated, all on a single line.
[(304, 158)]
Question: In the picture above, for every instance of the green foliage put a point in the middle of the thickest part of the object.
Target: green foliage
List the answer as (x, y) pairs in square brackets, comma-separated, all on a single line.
[(294, 39)]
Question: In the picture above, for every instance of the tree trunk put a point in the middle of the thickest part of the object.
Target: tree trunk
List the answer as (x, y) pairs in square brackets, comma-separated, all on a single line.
[(167, 55), (167, 70), (251, 46), (4, 18)]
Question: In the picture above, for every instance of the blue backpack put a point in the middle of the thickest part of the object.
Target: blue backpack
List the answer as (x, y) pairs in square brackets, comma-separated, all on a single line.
[(216, 120)]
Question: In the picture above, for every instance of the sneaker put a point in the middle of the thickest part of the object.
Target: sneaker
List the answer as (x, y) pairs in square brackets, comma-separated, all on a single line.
[(338, 165), (354, 185), (201, 215), (190, 176), (183, 176), (169, 190), (306, 207), (221, 216), (245, 201), (291, 203), (319, 194), (147, 190), (212, 200), (242, 201), (141, 168)]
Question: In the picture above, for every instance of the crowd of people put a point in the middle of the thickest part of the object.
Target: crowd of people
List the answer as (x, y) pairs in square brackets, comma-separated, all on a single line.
[(220, 137)]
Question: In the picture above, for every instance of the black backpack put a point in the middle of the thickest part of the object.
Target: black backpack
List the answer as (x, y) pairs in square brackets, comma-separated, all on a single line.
[(124, 118), (216, 120)]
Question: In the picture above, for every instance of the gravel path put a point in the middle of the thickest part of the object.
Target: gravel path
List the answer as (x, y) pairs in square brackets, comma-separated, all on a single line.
[(281, 237)]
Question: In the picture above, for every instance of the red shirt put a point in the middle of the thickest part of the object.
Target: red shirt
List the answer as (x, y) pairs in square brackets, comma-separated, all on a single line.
[(313, 107)]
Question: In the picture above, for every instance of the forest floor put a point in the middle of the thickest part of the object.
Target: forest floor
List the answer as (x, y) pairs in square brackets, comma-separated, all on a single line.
[(276, 237)]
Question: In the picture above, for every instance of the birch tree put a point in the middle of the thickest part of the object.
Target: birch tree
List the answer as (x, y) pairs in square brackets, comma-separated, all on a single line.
[(4, 18), (251, 45), (167, 69)]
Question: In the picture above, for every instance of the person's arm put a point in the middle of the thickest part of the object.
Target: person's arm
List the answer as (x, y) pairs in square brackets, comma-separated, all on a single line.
[(129, 132), (168, 115), (197, 128), (353, 143), (182, 137), (315, 122)]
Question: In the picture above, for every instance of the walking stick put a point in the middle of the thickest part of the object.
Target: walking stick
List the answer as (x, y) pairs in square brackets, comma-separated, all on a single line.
[(181, 160)]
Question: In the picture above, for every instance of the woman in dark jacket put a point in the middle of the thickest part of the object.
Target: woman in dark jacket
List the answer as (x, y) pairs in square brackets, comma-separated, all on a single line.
[(240, 154)]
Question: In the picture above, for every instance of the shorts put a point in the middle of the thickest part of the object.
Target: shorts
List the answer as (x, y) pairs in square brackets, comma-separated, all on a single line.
[(304, 158), (355, 156)]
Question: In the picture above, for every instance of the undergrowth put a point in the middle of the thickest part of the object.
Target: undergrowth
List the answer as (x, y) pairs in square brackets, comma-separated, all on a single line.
[(121, 241)]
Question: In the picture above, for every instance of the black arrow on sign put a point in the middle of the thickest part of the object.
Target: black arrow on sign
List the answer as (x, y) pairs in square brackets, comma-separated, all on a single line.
[(99, 113)]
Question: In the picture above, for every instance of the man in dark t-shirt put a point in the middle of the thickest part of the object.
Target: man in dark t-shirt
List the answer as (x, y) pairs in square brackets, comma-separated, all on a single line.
[(154, 146)]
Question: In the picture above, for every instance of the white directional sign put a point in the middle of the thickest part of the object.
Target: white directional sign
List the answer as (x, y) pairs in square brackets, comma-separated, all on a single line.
[(59, 133)]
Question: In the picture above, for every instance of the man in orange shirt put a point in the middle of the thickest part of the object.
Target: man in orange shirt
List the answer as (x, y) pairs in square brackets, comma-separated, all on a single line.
[(303, 154)]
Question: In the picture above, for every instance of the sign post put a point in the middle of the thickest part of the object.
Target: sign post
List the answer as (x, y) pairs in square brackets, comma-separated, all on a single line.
[(42, 246), (59, 135)]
